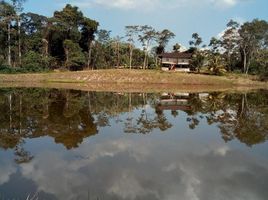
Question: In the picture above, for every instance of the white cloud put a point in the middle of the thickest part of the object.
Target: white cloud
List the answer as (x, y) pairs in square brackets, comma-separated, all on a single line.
[(119, 4), (6, 170), (152, 4), (125, 4), (224, 3), (178, 172)]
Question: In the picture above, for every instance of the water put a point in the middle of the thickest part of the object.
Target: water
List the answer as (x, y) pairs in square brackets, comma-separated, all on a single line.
[(62, 144)]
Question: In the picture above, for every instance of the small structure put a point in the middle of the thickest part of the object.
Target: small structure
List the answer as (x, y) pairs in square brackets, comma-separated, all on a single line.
[(173, 102), (177, 61)]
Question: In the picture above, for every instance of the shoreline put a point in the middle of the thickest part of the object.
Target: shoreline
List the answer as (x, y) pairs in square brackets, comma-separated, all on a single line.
[(131, 81)]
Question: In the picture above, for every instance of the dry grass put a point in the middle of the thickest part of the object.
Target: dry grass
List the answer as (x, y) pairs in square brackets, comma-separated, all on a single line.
[(132, 80)]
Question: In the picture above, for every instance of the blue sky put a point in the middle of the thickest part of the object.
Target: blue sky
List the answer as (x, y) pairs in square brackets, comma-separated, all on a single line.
[(183, 17)]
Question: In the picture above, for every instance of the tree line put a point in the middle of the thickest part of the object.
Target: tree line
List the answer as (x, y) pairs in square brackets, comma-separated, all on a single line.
[(70, 40), (241, 48), (37, 42), (71, 116)]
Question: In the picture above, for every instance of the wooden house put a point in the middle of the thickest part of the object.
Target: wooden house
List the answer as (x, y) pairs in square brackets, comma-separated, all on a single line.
[(173, 102), (177, 61)]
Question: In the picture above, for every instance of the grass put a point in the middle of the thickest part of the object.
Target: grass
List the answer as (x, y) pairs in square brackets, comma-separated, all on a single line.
[(63, 81), (125, 79)]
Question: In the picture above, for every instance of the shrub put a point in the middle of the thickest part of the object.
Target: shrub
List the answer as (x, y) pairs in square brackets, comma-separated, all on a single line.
[(2, 60), (216, 65), (75, 59), (31, 62), (10, 70), (35, 62)]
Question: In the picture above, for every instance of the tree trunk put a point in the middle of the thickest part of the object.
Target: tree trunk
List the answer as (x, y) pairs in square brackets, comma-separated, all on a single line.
[(89, 54), (46, 47), (247, 67), (9, 44), (228, 61), (248, 63), (95, 56), (130, 55), (46, 39), (67, 57), (245, 61), (145, 65), (145, 59), (130, 102), (118, 55), (20, 114), (10, 111), (19, 40)]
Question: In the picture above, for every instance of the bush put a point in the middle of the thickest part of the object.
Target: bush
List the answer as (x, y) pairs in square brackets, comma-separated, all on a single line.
[(11, 70), (31, 62), (35, 62), (216, 65), (76, 58), (2, 60)]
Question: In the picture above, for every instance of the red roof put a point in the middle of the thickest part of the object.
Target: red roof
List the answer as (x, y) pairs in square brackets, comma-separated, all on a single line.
[(183, 55)]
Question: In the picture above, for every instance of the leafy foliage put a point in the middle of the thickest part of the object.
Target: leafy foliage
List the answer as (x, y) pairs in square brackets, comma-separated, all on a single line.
[(35, 62), (74, 55), (35, 40), (72, 41)]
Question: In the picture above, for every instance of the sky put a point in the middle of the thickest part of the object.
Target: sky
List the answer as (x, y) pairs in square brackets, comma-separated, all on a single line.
[(183, 17)]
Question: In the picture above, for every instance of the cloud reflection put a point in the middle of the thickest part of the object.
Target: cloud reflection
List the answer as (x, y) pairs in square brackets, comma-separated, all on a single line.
[(125, 168)]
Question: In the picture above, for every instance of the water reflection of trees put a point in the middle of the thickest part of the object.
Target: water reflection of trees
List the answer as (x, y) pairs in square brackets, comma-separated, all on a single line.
[(71, 116), (241, 116), (67, 116), (146, 123), (38, 113)]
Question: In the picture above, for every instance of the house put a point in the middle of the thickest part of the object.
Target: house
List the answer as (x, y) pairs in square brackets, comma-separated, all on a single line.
[(173, 102), (178, 61)]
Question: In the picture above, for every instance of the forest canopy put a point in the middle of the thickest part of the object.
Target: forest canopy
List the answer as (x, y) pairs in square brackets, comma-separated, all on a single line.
[(69, 40)]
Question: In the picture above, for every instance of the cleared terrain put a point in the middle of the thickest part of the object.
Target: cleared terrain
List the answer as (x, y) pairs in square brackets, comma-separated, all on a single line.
[(132, 80)]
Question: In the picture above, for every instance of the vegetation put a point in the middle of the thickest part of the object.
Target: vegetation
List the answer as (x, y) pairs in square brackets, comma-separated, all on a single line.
[(69, 40), (241, 48), (70, 116), (138, 80)]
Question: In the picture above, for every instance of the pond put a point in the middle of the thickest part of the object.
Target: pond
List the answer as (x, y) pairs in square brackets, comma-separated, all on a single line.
[(67, 144)]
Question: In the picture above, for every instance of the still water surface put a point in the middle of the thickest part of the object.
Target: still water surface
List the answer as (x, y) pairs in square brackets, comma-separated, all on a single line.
[(63, 144)]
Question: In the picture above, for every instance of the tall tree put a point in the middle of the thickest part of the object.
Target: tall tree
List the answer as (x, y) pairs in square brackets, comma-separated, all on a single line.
[(102, 49), (198, 58), (197, 40), (88, 31), (68, 20), (33, 27), (7, 13), (74, 56), (131, 33), (146, 37), (116, 43), (162, 38), (230, 42), (176, 47), (66, 26), (215, 45), (18, 7), (253, 36)]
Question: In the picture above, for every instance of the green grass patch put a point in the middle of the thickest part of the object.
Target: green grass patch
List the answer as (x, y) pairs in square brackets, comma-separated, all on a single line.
[(64, 81), (21, 70)]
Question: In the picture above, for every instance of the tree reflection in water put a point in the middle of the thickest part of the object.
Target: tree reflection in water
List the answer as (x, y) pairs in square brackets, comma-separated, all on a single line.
[(242, 116), (71, 116)]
